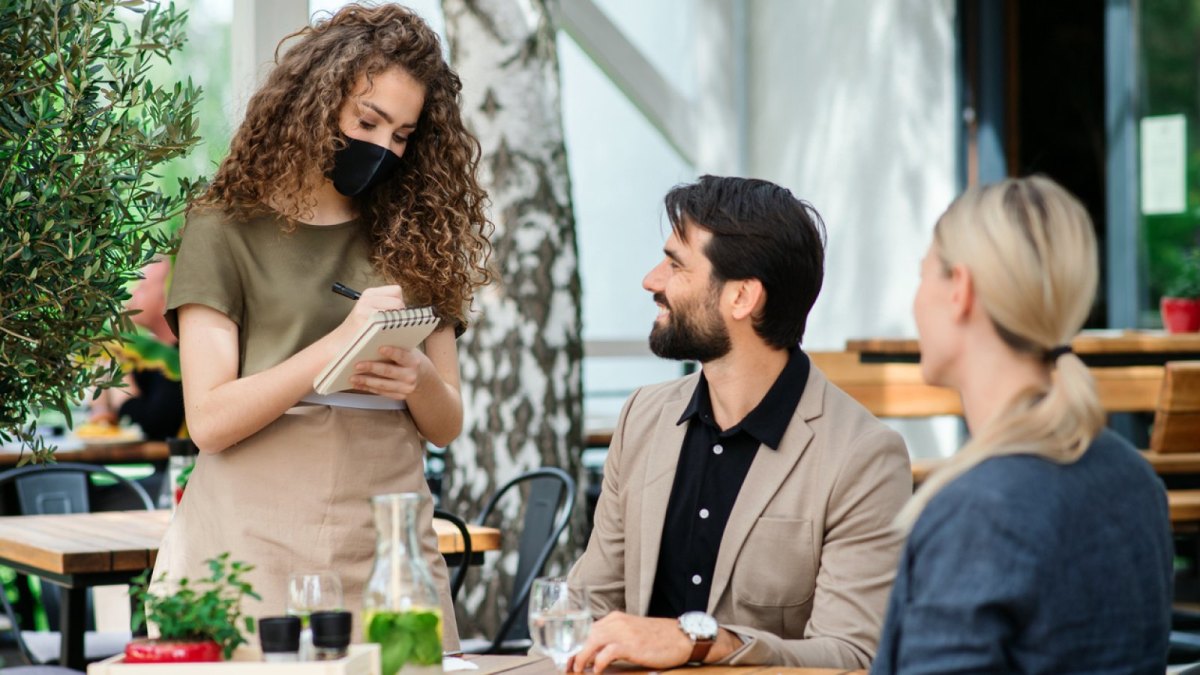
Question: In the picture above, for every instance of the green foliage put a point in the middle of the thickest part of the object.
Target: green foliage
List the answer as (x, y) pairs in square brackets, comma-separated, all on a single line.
[(1171, 86), (414, 636), (182, 479), (205, 609), (1185, 282), (83, 135)]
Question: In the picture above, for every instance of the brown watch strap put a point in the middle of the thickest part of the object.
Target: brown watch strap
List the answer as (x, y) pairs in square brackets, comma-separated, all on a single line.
[(700, 650)]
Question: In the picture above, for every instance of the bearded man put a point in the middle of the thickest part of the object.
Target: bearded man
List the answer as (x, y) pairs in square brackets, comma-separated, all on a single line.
[(746, 512)]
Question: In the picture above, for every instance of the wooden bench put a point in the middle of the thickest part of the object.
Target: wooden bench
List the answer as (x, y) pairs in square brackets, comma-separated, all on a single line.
[(898, 390), (1175, 437), (1177, 415), (1174, 442)]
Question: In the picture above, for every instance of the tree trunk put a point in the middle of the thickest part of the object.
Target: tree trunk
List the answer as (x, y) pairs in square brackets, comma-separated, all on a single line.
[(522, 357)]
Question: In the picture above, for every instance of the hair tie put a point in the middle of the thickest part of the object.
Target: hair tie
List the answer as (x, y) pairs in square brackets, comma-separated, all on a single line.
[(1053, 353)]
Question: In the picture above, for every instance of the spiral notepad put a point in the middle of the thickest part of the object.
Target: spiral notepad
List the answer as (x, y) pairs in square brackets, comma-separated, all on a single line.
[(393, 328)]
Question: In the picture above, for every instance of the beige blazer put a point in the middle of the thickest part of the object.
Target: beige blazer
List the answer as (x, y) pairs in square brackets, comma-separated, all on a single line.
[(808, 555)]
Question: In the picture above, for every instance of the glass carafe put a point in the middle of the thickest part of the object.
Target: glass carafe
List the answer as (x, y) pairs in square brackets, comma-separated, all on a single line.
[(401, 609)]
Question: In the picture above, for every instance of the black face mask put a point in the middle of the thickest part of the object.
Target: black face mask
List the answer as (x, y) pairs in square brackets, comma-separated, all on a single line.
[(360, 166)]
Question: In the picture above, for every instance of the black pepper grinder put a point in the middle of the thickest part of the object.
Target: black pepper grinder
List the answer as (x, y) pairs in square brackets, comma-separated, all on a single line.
[(280, 638), (330, 635)]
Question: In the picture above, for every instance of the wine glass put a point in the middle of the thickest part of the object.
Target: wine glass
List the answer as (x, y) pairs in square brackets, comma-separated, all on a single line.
[(559, 618), (310, 592)]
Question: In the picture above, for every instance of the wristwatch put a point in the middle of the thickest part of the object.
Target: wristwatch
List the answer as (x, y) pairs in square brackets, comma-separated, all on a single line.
[(702, 630)]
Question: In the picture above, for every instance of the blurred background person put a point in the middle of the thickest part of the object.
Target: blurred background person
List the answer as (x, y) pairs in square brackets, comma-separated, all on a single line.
[(152, 397)]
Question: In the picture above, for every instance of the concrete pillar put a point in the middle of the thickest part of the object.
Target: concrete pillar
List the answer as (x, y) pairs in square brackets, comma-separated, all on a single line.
[(258, 26)]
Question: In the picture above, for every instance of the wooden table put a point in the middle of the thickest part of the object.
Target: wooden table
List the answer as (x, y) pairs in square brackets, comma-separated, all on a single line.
[(77, 551), (534, 665), (134, 452), (1096, 348)]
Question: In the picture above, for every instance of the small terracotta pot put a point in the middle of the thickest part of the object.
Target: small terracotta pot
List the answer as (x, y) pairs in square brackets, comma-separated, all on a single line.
[(1180, 315), (144, 650)]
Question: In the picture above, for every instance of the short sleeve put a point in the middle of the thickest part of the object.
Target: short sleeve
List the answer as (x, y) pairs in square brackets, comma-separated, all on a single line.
[(205, 272)]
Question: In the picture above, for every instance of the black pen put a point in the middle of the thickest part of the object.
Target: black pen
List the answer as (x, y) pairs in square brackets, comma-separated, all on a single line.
[(341, 289)]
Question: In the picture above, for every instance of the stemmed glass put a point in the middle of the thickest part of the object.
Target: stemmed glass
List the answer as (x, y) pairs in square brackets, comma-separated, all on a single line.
[(559, 618), (310, 592)]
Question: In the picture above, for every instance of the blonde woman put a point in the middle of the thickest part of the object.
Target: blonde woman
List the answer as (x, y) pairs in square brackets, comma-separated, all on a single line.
[(1043, 546)]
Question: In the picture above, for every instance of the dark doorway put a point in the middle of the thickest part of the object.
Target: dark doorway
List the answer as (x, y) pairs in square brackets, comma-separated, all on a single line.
[(1056, 103)]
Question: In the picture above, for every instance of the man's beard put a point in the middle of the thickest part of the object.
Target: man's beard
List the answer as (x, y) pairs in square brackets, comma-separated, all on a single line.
[(702, 337)]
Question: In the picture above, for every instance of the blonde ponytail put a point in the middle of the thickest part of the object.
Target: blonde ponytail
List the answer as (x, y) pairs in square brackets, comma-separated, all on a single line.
[(1031, 251)]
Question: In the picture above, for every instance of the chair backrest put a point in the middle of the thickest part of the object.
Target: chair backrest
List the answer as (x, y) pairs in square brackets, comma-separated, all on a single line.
[(50, 489), (548, 508), (62, 487), (1177, 417), (456, 580)]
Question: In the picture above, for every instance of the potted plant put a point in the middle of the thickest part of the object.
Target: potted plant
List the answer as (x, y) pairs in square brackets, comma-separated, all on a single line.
[(1180, 304), (196, 620), (85, 133)]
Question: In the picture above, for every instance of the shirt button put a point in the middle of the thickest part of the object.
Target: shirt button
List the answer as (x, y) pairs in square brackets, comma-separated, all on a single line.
[(718, 449), (703, 513), (696, 579)]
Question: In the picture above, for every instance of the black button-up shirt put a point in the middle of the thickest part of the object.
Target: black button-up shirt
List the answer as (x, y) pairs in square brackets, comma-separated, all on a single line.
[(712, 467)]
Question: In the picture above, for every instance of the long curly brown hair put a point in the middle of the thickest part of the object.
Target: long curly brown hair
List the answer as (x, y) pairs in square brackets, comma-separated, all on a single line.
[(428, 230)]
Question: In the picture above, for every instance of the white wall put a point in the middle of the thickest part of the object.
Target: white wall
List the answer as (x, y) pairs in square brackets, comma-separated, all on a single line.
[(852, 106)]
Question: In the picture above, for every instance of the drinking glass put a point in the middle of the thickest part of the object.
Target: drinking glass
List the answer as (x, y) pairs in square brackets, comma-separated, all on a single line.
[(313, 592), (310, 592), (559, 618)]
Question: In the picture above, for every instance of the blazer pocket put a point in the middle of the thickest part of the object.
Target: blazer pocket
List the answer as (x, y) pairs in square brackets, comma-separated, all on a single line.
[(778, 564)]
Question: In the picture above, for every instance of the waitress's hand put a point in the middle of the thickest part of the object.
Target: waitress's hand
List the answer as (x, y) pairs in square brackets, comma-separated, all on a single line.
[(375, 299), (402, 373)]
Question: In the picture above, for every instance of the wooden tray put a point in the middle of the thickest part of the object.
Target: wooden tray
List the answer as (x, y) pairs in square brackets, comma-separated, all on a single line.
[(362, 660)]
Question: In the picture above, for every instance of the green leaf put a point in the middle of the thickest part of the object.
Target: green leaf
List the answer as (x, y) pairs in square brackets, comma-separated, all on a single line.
[(77, 165)]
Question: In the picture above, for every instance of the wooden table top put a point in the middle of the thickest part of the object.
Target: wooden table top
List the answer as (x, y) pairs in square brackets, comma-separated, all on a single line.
[(539, 665), (118, 541), (134, 452), (1106, 342)]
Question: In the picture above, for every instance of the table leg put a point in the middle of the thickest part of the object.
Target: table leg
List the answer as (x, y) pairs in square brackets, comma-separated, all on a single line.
[(74, 627)]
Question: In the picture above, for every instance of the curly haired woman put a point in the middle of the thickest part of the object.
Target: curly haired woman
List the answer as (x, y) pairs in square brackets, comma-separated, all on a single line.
[(352, 165)]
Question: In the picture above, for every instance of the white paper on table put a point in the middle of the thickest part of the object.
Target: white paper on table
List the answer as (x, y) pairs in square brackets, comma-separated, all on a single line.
[(452, 664)]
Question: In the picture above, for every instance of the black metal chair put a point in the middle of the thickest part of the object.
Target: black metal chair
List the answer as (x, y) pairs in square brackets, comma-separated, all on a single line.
[(37, 670), (548, 506), (463, 558), (61, 488)]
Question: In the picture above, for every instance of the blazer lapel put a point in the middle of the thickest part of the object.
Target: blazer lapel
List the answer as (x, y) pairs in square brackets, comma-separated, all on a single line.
[(664, 447), (767, 473)]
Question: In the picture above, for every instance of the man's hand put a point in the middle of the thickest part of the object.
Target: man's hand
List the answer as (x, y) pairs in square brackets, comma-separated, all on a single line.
[(649, 642)]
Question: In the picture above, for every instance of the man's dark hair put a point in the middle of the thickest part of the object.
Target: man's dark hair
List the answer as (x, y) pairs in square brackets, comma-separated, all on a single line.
[(760, 231)]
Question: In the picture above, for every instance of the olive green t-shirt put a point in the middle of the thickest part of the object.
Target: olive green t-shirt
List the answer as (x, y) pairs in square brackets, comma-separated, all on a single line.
[(274, 284)]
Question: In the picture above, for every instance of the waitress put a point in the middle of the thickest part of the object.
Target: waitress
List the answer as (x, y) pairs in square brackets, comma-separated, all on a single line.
[(352, 165)]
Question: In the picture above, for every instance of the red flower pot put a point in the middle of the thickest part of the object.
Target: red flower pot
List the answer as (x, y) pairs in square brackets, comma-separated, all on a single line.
[(172, 651), (1180, 315)]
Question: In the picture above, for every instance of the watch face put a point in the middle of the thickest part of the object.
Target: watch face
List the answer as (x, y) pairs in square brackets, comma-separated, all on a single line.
[(699, 625)]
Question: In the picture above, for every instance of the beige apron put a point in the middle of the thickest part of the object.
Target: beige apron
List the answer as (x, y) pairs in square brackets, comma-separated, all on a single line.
[(294, 498)]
